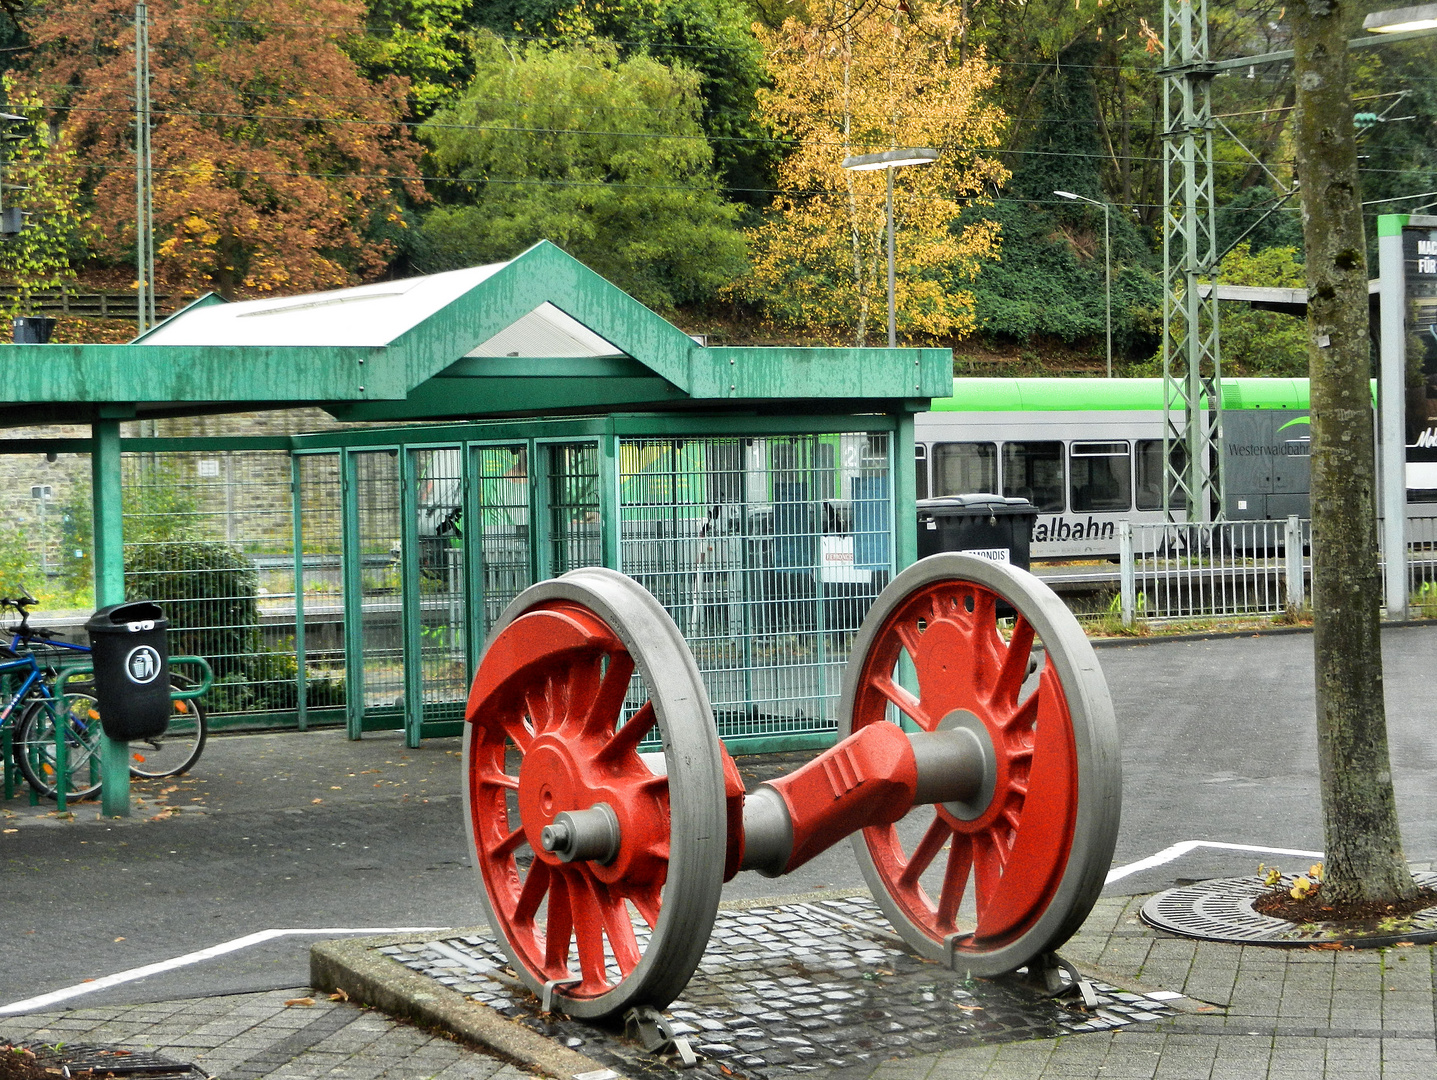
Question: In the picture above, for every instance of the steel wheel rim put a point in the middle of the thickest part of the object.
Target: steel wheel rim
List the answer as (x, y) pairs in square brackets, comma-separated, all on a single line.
[(1060, 739), (176, 750), (36, 753), (671, 874)]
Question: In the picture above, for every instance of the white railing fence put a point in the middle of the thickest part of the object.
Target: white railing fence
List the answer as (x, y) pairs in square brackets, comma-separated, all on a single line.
[(1238, 568)]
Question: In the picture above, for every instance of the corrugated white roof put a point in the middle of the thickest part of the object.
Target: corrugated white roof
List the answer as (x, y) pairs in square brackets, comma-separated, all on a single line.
[(374, 315), (366, 315)]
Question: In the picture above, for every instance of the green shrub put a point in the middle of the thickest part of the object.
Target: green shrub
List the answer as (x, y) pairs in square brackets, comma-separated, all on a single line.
[(208, 591)]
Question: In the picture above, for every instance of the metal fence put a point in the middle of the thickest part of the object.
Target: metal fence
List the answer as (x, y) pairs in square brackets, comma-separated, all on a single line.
[(768, 553), (1242, 568), (210, 536)]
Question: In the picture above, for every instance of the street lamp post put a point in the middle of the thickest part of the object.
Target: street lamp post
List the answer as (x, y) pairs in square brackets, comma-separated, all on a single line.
[(1107, 260), (889, 160)]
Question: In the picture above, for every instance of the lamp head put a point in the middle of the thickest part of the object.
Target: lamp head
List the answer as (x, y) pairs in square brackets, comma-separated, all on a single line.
[(891, 159), (1401, 20)]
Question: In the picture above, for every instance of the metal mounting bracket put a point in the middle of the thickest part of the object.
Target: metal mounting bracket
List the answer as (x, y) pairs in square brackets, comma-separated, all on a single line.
[(655, 1033), (546, 1000)]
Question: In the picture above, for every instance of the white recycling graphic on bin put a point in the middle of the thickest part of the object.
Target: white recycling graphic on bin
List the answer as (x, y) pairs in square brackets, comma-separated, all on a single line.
[(142, 664)]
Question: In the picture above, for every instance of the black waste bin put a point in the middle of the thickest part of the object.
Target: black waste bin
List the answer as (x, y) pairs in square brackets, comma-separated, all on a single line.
[(989, 526), (132, 662)]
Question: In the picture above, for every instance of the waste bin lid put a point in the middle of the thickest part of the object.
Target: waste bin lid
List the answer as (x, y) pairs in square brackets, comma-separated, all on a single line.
[(974, 505), (126, 615)]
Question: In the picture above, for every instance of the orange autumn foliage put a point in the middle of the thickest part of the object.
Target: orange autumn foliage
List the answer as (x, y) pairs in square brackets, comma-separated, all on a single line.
[(277, 167)]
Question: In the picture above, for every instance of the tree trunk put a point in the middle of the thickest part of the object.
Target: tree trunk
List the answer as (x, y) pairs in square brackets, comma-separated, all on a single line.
[(1359, 814)]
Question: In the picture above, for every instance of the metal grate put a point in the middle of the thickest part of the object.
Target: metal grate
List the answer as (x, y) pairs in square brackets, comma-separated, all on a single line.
[(1222, 910), (767, 552), (1188, 571), (117, 1061)]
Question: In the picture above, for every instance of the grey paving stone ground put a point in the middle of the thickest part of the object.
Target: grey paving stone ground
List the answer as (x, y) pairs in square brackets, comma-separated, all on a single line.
[(251, 1036), (1251, 1012)]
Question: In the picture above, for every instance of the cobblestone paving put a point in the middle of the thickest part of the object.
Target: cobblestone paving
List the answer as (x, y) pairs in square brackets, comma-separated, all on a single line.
[(250, 1036), (798, 988), (1275, 1014)]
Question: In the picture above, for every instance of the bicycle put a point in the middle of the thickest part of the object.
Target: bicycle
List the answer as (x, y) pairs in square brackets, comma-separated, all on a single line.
[(168, 754)]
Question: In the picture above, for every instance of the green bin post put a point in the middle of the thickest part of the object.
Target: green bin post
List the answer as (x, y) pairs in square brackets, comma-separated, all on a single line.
[(107, 508)]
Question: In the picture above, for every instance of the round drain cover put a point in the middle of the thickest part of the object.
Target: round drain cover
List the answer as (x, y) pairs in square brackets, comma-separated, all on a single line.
[(1221, 910)]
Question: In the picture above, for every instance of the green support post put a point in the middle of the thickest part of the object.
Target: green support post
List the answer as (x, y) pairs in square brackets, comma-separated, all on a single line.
[(108, 511), (473, 541), (541, 519), (301, 704), (411, 613), (609, 515), (353, 597), (905, 501)]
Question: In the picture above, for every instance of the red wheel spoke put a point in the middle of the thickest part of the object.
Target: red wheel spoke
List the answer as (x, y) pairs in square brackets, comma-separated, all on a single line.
[(509, 844), (648, 903), (1026, 714), (955, 882), (608, 700), (987, 871), (559, 930), (906, 703), (499, 779), (985, 610), (588, 931), (531, 895), (937, 834), (908, 636), (628, 737), (1014, 671), (618, 927), (536, 705)]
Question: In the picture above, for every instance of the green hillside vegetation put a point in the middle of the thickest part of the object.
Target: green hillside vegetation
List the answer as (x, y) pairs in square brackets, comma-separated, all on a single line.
[(302, 144)]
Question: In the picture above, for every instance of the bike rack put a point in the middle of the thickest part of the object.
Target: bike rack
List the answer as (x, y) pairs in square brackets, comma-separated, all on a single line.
[(62, 752)]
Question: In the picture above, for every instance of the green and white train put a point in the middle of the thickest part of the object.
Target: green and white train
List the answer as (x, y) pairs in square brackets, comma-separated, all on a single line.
[(1088, 453)]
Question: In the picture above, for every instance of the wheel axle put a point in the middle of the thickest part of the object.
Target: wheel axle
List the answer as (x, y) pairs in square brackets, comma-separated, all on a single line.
[(977, 775)]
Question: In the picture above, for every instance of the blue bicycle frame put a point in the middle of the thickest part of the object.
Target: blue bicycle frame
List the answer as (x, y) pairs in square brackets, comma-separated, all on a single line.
[(34, 683), (25, 660)]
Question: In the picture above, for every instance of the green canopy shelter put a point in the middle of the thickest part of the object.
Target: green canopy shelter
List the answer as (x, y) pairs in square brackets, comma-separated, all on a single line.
[(518, 420)]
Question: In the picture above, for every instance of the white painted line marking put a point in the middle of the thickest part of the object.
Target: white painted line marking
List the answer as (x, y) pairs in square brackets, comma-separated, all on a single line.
[(1178, 850), (233, 945)]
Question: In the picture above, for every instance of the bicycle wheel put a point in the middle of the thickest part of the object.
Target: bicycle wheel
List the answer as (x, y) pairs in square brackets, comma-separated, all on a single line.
[(179, 747), (35, 744)]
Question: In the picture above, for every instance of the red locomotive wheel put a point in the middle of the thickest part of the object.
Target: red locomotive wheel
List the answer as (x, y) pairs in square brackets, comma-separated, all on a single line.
[(624, 920), (992, 883)]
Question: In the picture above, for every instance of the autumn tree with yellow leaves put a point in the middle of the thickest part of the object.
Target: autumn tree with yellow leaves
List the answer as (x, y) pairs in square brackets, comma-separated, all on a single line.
[(865, 78)]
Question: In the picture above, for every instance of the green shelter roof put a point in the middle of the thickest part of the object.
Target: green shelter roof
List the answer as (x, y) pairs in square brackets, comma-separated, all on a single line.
[(540, 335)]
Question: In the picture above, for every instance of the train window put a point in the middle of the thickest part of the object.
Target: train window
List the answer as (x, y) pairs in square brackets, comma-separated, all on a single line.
[(1034, 471), (1101, 476), (920, 470), (965, 468), (1150, 475)]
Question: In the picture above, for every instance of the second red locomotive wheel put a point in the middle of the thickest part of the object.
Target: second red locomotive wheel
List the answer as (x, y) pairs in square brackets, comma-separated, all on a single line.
[(990, 883)]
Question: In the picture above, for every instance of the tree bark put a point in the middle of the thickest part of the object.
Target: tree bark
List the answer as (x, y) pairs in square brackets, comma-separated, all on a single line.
[(1364, 858)]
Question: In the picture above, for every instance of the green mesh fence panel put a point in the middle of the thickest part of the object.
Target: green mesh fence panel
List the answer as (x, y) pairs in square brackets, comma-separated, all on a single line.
[(210, 537), (768, 553), (321, 529), (443, 618)]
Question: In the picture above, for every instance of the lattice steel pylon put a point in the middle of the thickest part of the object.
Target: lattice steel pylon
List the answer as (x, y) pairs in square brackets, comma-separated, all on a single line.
[(1192, 368)]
